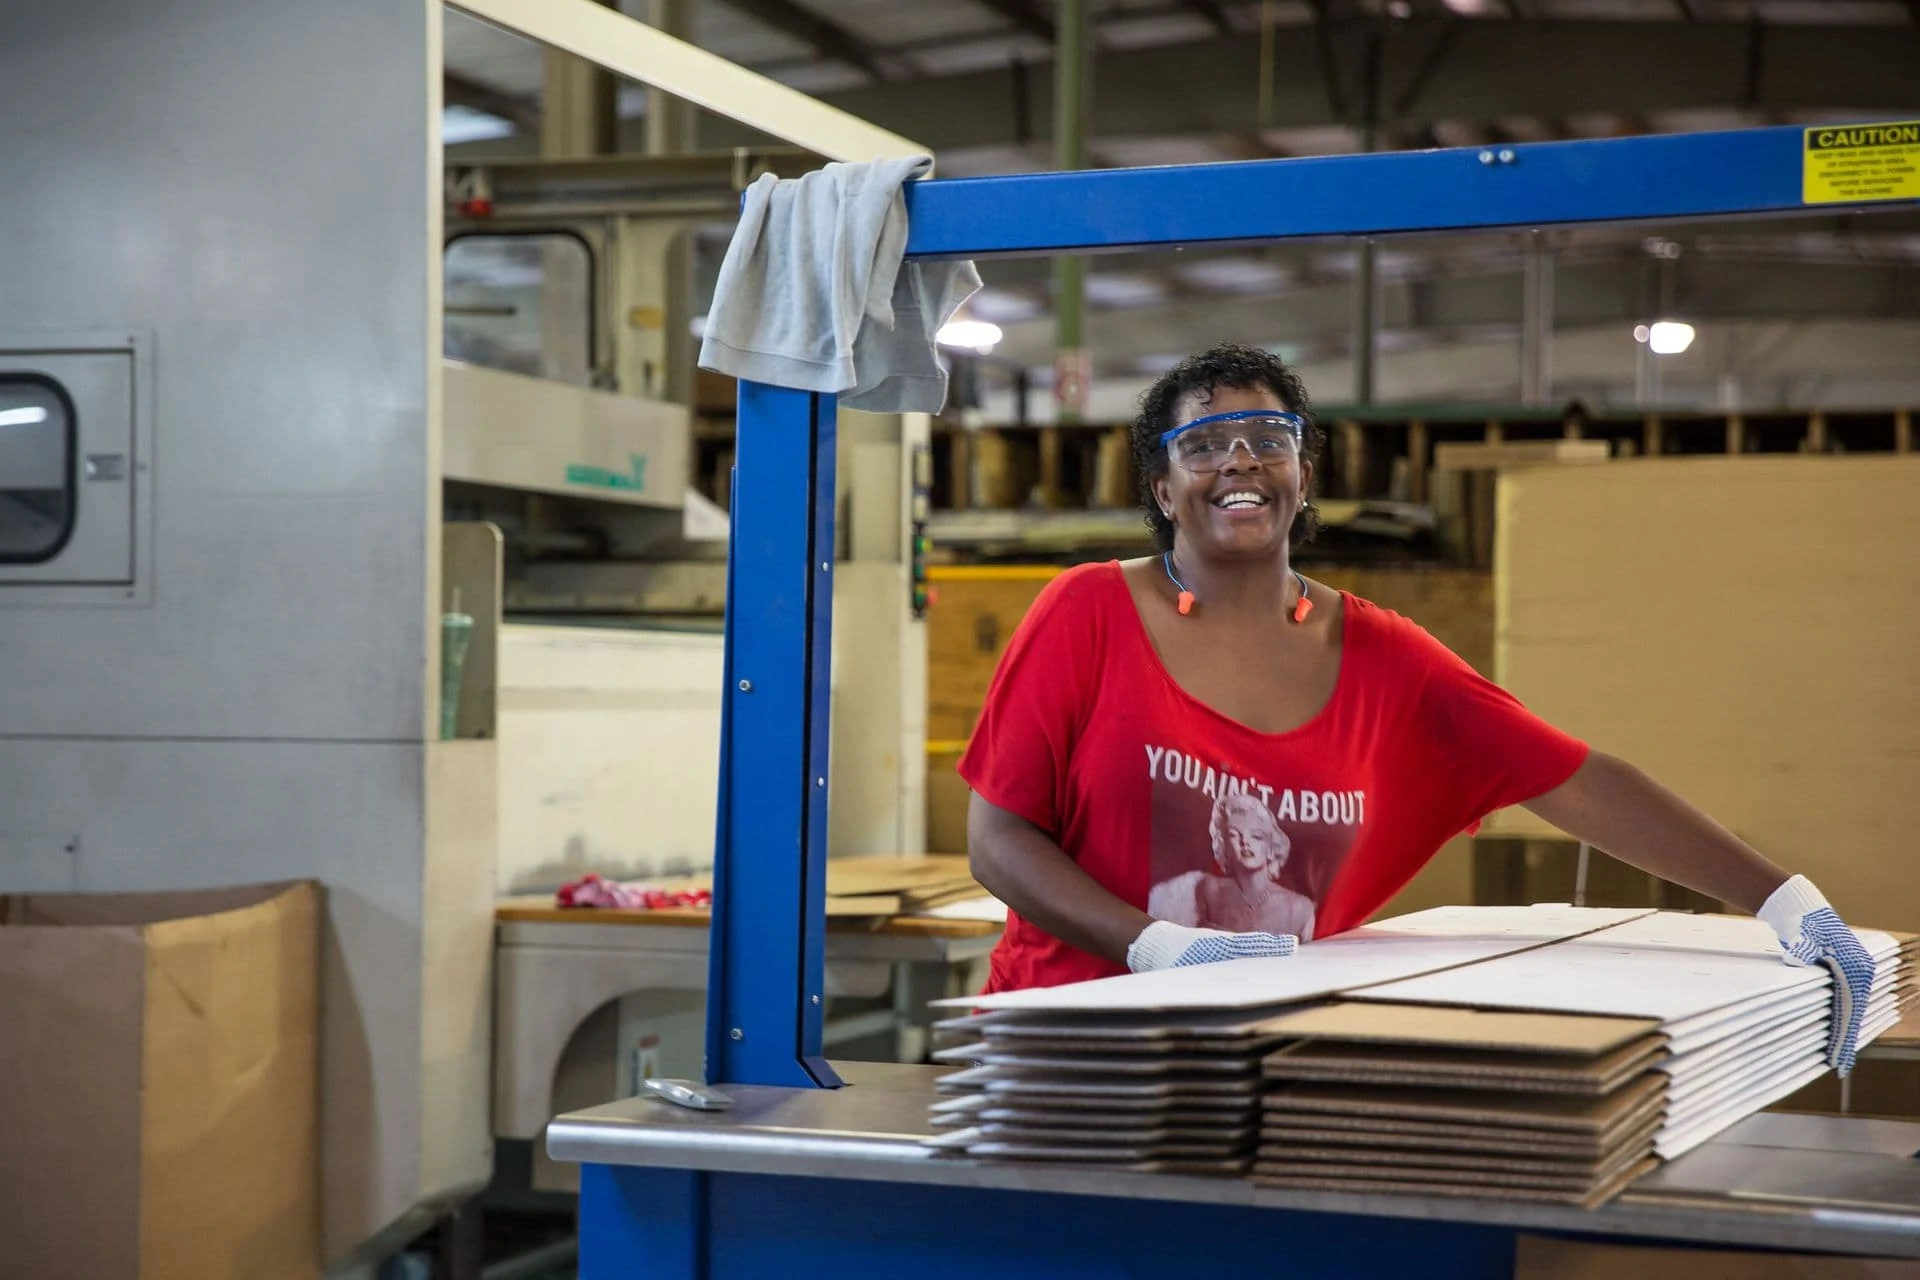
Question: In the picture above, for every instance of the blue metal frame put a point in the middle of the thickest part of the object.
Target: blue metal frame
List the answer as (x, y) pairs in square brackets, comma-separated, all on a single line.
[(766, 966), (1702, 175), (769, 908), (675, 1224)]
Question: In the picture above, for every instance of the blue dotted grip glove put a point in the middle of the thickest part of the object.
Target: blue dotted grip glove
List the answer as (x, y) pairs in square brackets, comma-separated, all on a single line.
[(1165, 945), (1810, 933)]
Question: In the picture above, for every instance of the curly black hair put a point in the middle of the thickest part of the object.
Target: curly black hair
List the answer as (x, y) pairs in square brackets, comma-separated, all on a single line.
[(1227, 364)]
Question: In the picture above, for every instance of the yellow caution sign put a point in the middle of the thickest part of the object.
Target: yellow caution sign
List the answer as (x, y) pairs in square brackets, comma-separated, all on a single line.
[(1849, 163)]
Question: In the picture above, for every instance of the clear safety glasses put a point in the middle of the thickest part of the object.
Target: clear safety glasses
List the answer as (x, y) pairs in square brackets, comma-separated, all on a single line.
[(1204, 445)]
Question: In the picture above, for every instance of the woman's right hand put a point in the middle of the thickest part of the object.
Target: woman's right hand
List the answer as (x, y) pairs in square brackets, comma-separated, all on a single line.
[(1165, 945)]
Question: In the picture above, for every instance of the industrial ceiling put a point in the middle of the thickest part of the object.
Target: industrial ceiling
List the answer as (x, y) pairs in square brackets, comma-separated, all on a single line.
[(1194, 81)]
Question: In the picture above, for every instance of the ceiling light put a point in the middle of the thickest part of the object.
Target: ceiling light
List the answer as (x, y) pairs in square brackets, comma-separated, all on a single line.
[(1665, 337), (30, 416), (975, 335), (460, 124)]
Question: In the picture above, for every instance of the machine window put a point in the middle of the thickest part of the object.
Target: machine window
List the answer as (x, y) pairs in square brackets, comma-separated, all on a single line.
[(37, 494), (522, 301)]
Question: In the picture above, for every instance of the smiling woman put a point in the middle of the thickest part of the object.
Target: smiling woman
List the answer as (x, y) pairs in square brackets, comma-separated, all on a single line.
[(1182, 759)]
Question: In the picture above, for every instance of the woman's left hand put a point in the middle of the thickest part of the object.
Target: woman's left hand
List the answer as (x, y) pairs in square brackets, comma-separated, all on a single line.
[(1611, 805), (1811, 933)]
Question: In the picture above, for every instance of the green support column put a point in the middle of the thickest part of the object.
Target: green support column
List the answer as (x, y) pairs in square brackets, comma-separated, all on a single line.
[(1072, 97)]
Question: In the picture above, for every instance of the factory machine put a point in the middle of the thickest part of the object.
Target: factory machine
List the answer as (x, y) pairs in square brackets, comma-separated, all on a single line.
[(244, 485), (597, 666)]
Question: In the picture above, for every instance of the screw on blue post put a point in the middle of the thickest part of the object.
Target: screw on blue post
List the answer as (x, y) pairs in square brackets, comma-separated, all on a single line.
[(769, 911)]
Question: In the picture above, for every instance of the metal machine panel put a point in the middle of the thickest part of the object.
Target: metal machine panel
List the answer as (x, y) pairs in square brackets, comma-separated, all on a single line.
[(200, 170), (67, 418), (517, 432), (456, 1024), (151, 172)]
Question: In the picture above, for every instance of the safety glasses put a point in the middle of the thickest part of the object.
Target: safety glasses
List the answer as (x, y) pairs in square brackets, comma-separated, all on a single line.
[(1204, 445)]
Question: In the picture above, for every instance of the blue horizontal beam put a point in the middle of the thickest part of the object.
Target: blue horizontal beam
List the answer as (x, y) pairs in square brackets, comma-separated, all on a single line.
[(1749, 171)]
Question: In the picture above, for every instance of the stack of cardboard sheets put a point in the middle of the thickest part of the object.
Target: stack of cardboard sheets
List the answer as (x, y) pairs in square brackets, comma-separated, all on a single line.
[(1162, 1071), (1148, 1093), (1743, 1029), (1446, 1101), (888, 885), (1544, 1053)]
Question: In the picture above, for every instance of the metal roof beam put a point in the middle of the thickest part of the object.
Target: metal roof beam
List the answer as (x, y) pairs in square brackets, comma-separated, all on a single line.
[(1491, 69), (1024, 16), (459, 91), (828, 39), (1213, 12)]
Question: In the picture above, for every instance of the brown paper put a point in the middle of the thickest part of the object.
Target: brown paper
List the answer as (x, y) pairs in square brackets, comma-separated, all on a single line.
[(158, 1085)]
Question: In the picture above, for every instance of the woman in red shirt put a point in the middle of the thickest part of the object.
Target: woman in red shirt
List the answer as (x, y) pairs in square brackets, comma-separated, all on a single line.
[(1204, 755)]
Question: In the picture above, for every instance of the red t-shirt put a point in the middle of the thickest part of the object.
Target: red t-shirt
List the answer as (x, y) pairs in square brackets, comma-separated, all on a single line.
[(1194, 817)]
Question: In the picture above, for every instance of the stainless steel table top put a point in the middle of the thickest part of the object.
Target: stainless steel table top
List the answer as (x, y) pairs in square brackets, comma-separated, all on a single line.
[(1815, 1183)]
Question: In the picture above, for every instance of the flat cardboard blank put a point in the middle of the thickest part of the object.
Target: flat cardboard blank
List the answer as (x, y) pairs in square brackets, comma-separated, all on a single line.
[(1330, 1063), (1066, 1118), (1291, 1142), (1461, 1106), (1668, 966), (1394, 949), (1226, 1141), (1014, 1066), (1192, 1093), (1574, 1034)]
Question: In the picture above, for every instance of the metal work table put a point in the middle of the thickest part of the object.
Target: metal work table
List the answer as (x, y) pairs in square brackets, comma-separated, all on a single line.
[(555, 967), (1824, 1184)]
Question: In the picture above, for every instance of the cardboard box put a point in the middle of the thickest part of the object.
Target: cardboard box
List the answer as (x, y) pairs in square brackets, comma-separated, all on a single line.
[(948, 798), (159, 1085), (1545, 1258), (1738, 627)]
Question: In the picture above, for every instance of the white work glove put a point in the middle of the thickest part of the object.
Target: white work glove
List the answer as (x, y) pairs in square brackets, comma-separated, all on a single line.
[(1810, 933), (1165, 945)]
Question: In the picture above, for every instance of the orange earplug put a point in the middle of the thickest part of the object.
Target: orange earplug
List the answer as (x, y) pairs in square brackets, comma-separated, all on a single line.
[(1186, 603), (1302, 608)]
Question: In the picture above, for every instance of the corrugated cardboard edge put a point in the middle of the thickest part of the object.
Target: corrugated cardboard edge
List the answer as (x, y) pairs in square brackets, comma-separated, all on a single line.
[(70, 1052), (1443, 1026), (1333, 1062), (230, 1075), (1558, 1113)]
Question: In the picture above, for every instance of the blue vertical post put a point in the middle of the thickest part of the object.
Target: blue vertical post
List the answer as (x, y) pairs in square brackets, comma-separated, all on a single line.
[(767, 964)]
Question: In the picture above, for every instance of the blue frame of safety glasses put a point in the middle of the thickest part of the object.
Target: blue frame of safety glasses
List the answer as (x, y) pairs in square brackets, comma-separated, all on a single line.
[(1294, 420)]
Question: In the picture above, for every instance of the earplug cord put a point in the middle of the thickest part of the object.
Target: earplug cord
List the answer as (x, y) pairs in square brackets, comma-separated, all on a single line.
[(1301, 608)]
